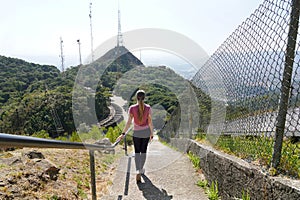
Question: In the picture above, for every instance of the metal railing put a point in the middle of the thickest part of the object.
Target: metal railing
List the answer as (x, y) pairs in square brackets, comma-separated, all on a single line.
[(9, 140)]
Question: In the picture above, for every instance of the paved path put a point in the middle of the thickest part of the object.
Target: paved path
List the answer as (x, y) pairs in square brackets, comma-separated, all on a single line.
[(121, 102), (169, 175)]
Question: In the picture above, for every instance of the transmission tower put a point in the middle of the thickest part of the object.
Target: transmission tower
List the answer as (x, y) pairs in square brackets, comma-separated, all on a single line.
[(62, 55), (90, 15), (120, 36), (80, 61)]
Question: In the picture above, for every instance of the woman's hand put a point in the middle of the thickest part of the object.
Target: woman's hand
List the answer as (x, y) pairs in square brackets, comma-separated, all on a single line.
[(120, 137), (151, 136)]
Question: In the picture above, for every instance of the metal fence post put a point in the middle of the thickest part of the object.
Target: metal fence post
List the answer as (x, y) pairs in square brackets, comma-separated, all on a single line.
[(93, 176), (125, 146), (286, 83)]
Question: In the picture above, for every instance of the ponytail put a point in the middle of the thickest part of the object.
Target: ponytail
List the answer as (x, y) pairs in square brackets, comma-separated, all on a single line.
[(140, 95), (141, 110)]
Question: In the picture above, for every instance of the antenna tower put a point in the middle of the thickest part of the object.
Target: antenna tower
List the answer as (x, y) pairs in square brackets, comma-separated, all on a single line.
[(62, 55), (80, 61), (120, 36), (90, 15)]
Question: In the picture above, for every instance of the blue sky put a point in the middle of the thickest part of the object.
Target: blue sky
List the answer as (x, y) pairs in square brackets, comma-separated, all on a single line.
[(31, 29)]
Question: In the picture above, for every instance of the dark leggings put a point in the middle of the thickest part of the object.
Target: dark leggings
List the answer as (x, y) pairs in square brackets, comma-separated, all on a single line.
[(140, 149)]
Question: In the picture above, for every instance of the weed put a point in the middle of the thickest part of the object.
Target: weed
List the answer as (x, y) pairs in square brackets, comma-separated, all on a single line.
[(245, 196), (194, 159), (213, 192), (202, 183), (3, 166), (260, 148), (200, 136), (82, 194), (54, 197)]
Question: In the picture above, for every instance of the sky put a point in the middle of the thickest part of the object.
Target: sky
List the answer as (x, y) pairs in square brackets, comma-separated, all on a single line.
[(31, 29)]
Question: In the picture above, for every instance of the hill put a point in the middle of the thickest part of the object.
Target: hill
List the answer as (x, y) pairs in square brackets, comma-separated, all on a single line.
[(17, 75), (35, 98)]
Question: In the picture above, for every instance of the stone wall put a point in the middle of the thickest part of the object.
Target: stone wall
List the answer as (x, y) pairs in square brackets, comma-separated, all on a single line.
[(235, 175)]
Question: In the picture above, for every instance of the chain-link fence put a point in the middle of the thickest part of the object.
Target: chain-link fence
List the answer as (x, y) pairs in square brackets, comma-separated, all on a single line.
[(245, 74)]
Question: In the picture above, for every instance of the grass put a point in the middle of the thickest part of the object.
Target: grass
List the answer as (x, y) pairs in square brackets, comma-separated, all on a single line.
[(245, 195), (195, 160), (259, 149), (202, 184), (3, 166), (213, 192), (168, 144)]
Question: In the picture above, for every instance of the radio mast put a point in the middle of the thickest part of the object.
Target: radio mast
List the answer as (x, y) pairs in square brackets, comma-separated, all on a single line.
[(80, 61), (92, 49), (62, 55), (120, 36)]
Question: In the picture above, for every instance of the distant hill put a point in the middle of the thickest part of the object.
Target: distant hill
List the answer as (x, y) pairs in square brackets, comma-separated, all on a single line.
[(109, 68), (17, 75), (39, 97)]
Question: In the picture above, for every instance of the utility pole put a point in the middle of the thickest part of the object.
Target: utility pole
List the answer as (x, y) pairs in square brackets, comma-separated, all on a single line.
[(80, 62), (62, 55), (92, 48)]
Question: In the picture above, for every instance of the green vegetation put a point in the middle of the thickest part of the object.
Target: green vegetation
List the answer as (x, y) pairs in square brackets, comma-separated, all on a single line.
[(35, 98), (259, 149), (202, 183), (212, 191), (195, 160), (245, 195), (41, 99)]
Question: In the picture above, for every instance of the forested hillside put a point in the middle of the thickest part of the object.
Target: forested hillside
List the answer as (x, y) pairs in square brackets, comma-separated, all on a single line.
[(35, 98)]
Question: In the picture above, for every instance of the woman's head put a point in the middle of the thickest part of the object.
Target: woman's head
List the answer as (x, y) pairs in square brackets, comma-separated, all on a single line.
[(140, 95)]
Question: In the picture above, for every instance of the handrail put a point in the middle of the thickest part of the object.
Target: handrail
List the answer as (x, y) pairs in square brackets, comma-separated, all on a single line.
[(28, 141), (9, 140)]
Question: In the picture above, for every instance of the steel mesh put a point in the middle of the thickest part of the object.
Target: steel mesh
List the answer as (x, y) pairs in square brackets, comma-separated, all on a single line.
[(245, 74)]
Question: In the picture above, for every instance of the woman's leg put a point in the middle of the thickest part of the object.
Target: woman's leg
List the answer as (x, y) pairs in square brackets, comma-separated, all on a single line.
[(140, 149), (144, 145), (137, 149)]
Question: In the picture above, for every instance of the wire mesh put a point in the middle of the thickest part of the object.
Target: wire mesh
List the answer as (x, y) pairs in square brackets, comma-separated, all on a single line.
[(250, 66)]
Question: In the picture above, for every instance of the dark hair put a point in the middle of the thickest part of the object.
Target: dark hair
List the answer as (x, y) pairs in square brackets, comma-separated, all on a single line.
[(140, 95)]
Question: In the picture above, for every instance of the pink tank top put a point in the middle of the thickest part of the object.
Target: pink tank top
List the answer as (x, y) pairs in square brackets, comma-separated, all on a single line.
[(140, 125)]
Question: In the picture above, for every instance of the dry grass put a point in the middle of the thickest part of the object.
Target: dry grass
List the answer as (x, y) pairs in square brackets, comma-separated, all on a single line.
[(74, 176)]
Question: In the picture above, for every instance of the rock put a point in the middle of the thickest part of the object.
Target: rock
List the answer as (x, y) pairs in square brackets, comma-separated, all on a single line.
[(52, 172), (16, 161), (107, 149), (2, 184), (35, 154), (103, 142), (11, 161), (7, 149)]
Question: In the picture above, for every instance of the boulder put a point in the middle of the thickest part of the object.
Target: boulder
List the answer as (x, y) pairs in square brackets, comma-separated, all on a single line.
[(107, 149), (35, 154)]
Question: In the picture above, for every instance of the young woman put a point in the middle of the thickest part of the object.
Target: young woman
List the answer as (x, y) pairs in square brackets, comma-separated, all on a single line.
[(140, 113)]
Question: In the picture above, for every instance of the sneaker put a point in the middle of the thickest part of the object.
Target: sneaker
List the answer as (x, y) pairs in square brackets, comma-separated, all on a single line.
[(138, 178)]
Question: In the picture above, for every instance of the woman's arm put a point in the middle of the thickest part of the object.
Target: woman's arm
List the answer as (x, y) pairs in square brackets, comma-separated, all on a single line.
[(126, 127), (130, 117), (150, 125)]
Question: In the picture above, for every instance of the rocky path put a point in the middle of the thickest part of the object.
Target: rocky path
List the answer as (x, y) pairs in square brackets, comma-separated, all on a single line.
[(169, 175)]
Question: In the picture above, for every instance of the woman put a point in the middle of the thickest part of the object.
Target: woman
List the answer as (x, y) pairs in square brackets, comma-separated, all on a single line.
[(142, 131)]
